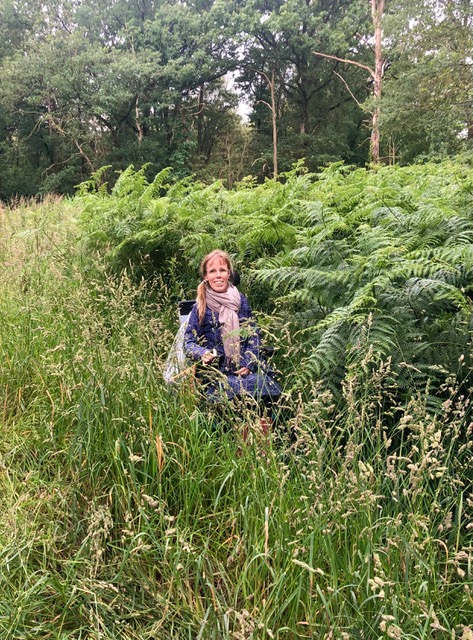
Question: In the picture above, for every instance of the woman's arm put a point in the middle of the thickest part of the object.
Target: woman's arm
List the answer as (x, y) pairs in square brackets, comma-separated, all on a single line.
[(196, 342)]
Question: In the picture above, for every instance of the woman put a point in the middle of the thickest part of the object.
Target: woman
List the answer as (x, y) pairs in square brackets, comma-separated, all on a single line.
[(222, 334)]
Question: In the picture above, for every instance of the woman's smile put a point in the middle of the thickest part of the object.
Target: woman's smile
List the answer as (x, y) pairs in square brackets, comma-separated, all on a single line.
[(217, 275)]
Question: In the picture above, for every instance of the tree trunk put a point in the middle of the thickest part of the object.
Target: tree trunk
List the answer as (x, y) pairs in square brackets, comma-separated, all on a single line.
[(274, 117), (377, 9), (304, 114), (275, 128), (376, 72), (200, 122), (139, 128)]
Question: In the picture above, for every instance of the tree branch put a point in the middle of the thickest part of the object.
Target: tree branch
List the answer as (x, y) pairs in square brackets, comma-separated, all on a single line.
[(357, 64), (348, 88), (59, 129)]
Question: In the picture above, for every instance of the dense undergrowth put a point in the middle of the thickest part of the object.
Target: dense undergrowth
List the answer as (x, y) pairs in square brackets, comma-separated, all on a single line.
[(350, 261), (126, 512)]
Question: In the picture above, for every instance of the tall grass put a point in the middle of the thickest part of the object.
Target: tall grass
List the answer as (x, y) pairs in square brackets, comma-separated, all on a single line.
[(127, 513)]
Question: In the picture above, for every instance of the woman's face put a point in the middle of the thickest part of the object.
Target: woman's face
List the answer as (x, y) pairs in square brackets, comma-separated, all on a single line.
[(217, 274)]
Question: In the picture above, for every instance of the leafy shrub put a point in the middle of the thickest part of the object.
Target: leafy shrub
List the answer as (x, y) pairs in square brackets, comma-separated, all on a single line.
[(357, 260), (383, 262)]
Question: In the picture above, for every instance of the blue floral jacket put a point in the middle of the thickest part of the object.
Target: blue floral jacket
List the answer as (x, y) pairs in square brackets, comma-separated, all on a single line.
[(199, 338)]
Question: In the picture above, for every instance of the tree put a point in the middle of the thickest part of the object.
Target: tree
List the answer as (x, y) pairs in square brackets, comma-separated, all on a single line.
[(272, 106), (114, 87), (305, 100), (376, 72), (428, 96), (87, 83)]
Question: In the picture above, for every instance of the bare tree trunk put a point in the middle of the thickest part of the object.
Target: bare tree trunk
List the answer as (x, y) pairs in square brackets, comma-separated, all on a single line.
[(139, 128), (200, 122), (377, 9), (275, 128), (374, 140), (469, 124), (229, 153), (274, 118)]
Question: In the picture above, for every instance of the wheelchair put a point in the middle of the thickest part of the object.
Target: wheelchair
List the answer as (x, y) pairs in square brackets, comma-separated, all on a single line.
[(177, 365)]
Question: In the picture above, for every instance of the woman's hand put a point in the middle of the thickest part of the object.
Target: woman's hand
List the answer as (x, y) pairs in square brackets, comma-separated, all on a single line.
[(209, 356), (243, 371)]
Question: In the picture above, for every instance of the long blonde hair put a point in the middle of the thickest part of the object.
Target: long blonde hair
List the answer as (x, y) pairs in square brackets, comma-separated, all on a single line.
[(201, 299)]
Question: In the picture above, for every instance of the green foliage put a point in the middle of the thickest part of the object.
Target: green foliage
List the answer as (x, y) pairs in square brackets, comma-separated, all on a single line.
[(430, 78), (127, 514), (163, 81), (385, 262), (171, 233), (356, 259)]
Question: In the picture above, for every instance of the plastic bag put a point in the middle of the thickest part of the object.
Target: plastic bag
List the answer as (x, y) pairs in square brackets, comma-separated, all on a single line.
[(177, 361)]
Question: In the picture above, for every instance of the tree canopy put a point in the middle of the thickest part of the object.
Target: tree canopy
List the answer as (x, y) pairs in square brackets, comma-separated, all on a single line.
[(160, 83)]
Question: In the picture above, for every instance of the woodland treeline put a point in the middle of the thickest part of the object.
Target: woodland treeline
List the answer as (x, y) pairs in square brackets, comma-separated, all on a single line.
[(86, 84)]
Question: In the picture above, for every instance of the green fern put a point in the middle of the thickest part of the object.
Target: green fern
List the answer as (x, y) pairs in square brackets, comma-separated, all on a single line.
[(363, 264)]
